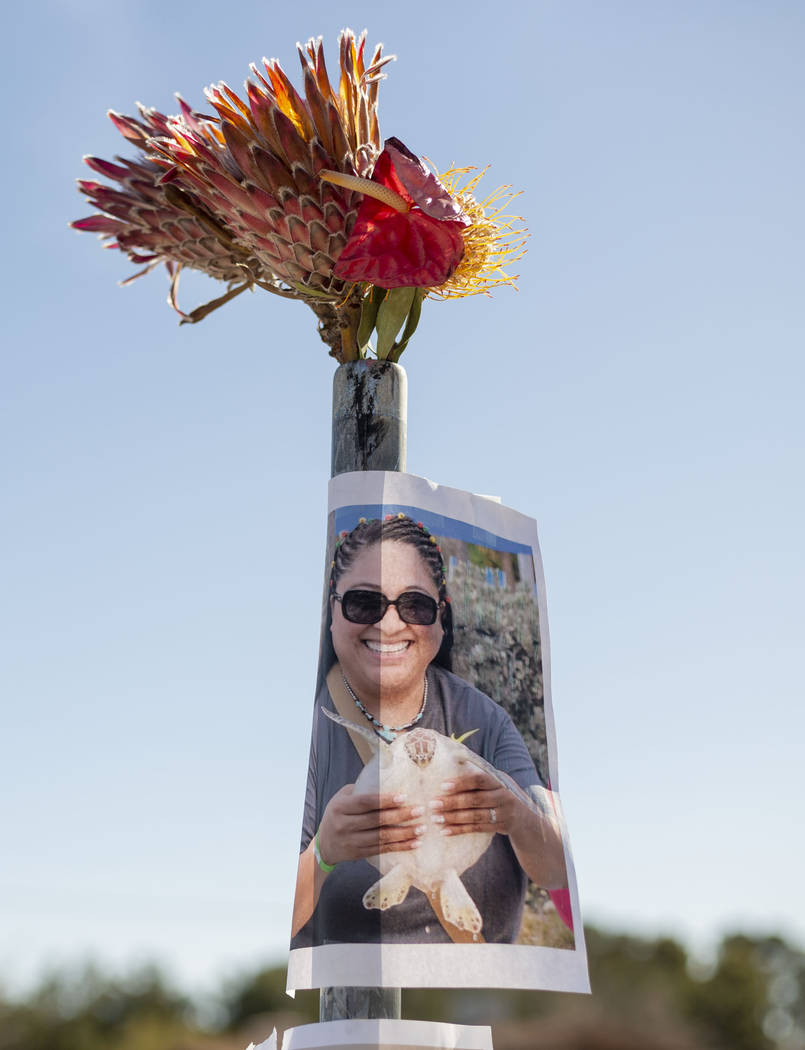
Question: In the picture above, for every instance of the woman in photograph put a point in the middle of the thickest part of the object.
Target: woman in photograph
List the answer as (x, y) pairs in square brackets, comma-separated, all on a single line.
[(387, 662)]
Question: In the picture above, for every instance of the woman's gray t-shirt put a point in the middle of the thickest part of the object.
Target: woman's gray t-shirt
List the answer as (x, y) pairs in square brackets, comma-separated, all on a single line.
[(496, 882)]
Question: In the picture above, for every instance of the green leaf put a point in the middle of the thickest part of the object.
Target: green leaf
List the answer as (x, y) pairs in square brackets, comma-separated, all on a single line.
[(390, 318), (410, 325), (369, 308)]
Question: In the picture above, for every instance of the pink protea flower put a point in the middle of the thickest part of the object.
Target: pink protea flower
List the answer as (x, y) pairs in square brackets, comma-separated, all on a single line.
[(237, 195)]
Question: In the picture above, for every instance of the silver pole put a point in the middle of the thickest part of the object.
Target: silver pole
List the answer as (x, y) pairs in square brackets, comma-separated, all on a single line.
[(370, 408)]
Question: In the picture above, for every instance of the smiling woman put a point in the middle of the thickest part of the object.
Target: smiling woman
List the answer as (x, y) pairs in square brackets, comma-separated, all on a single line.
[(432, 809), (385, 645)]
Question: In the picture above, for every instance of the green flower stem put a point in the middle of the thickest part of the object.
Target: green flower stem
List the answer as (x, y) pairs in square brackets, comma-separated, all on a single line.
[(369, 307), (391, 316), (410, 325)]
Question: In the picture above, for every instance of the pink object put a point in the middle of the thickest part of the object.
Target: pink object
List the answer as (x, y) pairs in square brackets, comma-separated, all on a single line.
[(561, 901)]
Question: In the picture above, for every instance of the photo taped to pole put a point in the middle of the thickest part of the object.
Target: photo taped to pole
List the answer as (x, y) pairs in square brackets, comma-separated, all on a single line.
[(434, 852)]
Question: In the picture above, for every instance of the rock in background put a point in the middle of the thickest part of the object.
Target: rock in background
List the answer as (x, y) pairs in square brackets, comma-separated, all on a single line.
[(497, 648), (497, 641)]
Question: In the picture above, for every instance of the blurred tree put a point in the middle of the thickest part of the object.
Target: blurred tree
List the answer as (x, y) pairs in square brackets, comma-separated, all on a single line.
[(784, 1022), (86, 1011), (755, 997), (645, 997), (264, 993)]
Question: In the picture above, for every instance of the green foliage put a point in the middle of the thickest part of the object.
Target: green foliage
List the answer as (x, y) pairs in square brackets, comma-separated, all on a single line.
[(484, 557), (645, 994), (734, 1001), (264, 993), (87, 1011)]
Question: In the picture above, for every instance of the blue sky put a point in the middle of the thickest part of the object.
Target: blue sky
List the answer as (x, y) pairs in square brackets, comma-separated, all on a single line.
[(164, 489)]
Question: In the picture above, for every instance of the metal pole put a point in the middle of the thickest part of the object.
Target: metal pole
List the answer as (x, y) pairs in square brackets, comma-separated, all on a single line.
[(370, 407)]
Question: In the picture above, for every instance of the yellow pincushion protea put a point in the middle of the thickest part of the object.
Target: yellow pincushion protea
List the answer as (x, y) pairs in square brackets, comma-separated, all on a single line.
[(493, 241)]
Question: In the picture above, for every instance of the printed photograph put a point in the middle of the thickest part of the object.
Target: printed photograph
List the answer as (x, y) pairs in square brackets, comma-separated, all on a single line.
[(429, 814)]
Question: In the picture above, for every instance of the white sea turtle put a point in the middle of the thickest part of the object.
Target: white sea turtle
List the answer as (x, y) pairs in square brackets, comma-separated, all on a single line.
[(417, 763)]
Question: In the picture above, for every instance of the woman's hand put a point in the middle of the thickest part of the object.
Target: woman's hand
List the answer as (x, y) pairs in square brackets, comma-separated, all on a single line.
[(477, 802), (356, 826), (353, 827)]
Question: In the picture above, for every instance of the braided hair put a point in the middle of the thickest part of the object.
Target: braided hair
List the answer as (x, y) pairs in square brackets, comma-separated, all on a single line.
[(399, 528)]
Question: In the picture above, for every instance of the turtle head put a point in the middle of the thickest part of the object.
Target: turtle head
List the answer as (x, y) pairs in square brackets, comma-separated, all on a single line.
[(420, 746)]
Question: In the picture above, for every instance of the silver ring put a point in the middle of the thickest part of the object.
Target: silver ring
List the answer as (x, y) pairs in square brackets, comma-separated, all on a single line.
[(493, 816)]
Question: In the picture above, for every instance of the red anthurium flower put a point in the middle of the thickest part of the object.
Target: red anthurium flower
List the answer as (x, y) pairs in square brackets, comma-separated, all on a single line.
[(411, 237)]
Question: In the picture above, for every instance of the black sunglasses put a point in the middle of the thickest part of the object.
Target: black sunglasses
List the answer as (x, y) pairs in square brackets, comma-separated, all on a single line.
[(370, 607)]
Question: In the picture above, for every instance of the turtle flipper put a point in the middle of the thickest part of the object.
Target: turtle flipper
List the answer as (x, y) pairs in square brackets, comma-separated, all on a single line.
[(377, 745), (389, 890), (536, 802), (458, 906)]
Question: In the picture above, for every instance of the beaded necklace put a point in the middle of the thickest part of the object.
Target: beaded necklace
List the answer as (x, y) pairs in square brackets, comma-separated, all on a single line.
[(389, 733)]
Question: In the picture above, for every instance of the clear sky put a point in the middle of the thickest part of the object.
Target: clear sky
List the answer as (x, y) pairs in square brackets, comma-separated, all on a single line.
[(164, 489)]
